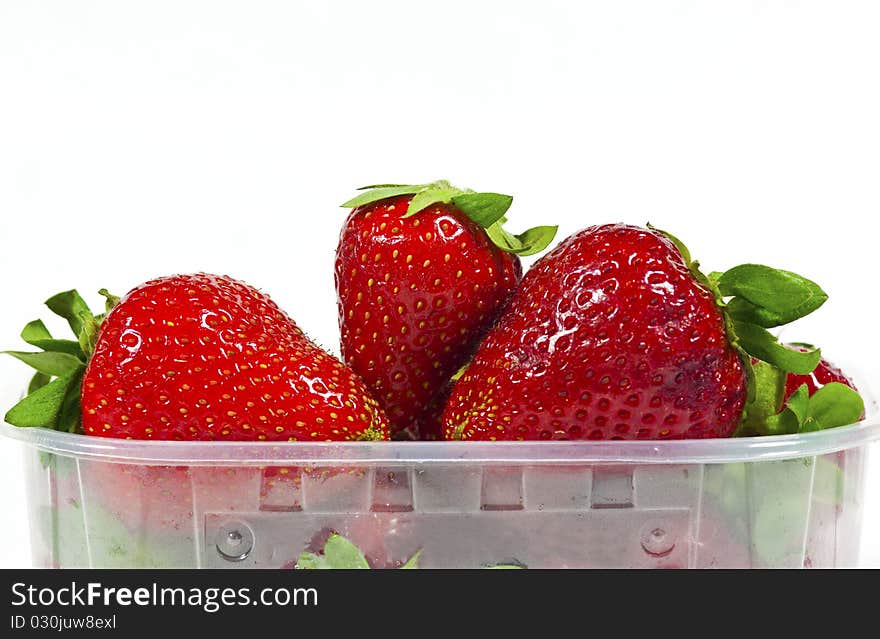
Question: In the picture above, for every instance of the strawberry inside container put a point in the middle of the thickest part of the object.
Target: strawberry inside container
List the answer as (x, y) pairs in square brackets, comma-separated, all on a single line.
[(777, 502), (610, 407)]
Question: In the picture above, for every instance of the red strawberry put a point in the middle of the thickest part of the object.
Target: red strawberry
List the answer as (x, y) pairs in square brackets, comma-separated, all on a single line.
[(788, 402), (421, 274), (824, 373), (823, 398), (199, 357), (617, 335), (189, 357), (205, 357)]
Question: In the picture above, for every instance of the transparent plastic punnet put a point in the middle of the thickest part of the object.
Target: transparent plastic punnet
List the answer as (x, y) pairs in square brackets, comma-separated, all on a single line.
[(783, 501)]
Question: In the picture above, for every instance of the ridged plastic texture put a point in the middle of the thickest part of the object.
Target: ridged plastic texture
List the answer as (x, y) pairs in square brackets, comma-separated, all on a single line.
[(787, 501)]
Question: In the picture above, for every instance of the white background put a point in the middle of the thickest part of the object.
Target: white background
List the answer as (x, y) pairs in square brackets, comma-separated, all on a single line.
[(144, 138)]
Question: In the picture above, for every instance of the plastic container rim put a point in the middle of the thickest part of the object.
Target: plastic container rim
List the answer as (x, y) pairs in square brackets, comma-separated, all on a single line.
[(273, 453), (256, 453)]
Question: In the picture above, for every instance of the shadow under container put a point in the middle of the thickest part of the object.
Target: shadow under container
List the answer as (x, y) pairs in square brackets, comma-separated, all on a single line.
[(775, 502)]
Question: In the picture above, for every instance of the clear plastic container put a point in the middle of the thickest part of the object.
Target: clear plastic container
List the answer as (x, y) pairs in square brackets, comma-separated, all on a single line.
[(785, 501)]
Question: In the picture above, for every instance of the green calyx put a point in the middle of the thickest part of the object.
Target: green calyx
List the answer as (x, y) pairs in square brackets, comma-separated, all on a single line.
[(833, 405), (485, 209), (53, 397), (753, 298), (341, 554)]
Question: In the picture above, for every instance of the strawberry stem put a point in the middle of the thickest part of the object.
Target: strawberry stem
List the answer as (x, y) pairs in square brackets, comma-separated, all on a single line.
[(53, 397)]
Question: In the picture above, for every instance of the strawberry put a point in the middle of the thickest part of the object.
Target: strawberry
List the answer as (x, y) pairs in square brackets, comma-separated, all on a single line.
[(192, 357), (431, 425), (789, 403), (616, 334), (188, 357), (824, 373), (422, 272)]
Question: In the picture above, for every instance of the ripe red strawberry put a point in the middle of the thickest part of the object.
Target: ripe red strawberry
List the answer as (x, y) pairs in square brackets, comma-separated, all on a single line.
[(422, 272), (616, 334), (190, 357), (823, 398), (194, 357), (431, 425), (788, 402), (824, 373)]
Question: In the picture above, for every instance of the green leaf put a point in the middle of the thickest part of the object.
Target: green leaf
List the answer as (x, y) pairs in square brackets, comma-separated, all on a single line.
[(429, 196), (806, 345), (829, 482), (51, 363), (502, 239), (59, 346), (110, 300), (833, 405), (310, 561), (536, 239), (38, 381), (412, 562), (483, 208), (530, 242), (789, 420), (799, 404), (378, 186), (339, 553), (36, 334), (744, 311), (70, 415), (71, 307), (343, 554), (783, 423), (786, 296), (88, 336), (760, 343), (383, 192), (42, 407), (685, 253), (747, 364), (47, 460), (35, 331), (768, 385)]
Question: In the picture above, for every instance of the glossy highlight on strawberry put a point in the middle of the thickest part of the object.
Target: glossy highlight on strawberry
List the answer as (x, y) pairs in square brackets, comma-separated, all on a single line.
[(419, 282), (825, 373), (207, 357), (190, 357), (609, 336)]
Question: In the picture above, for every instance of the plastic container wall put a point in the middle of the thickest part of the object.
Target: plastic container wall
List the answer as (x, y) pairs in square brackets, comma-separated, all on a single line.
[(776, 502)]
